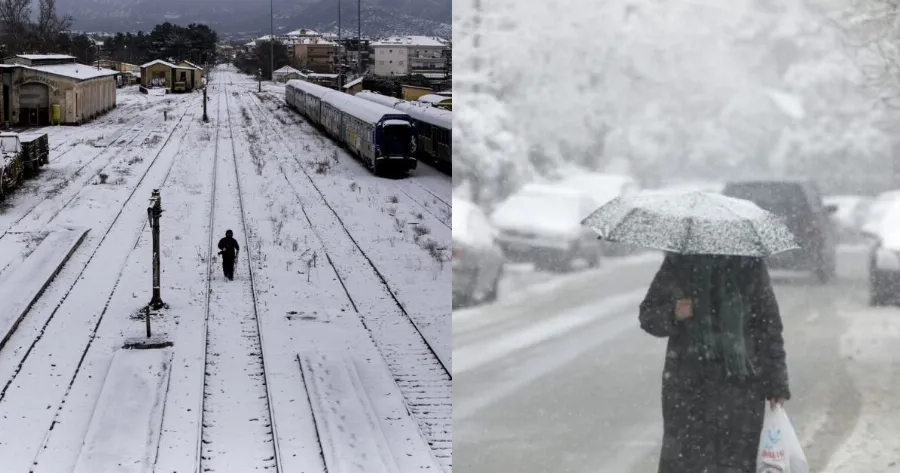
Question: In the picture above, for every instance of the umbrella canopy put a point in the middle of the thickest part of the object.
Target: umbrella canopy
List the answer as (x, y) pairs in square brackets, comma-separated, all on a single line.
[(692, 223)]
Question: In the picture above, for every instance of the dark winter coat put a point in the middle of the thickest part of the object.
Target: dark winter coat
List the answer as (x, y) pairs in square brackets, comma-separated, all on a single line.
[(228, 247), (712, 422)]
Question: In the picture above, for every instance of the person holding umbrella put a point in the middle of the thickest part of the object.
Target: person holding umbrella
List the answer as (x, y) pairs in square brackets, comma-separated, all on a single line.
[(713, 299)]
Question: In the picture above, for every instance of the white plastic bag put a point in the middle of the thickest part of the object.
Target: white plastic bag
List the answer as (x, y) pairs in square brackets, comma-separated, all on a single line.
[(779, 448)]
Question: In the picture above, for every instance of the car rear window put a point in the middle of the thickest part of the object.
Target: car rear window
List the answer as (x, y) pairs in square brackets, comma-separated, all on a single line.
[(784, 199)]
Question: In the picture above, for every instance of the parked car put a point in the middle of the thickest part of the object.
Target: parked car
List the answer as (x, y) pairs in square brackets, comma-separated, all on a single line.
[(477, 257), (850, 216), (884, 256), (603, 188), (541, 224), (799, 204), (882, 203)]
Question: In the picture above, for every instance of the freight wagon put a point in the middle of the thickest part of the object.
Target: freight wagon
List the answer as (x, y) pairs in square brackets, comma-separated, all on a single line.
[(20, 156)]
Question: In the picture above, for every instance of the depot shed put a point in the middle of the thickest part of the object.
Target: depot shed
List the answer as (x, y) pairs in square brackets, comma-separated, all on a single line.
[(44, 89), (183, 77)]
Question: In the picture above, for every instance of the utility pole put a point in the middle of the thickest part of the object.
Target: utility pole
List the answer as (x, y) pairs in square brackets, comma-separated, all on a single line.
[(259, 76), (154, 211), (272, 42), (359, 64), (339, 53), (205, 118)]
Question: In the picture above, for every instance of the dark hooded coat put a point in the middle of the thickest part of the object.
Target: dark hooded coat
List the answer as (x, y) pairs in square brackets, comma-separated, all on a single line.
[(712, 421)]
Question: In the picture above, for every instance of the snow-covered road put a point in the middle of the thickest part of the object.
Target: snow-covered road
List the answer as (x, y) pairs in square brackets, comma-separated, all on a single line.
[(333, 261), (557, 375)]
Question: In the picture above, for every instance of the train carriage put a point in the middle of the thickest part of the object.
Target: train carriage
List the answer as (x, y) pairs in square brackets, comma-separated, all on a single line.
[(380, 136), (434, 126), (306, 98)]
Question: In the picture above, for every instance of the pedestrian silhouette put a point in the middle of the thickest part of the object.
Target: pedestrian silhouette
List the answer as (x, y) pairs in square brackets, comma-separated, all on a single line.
[(228, 248)]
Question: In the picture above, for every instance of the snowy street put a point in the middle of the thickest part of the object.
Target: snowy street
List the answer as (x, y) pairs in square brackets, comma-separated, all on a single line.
[(330, 350), (558, 376)]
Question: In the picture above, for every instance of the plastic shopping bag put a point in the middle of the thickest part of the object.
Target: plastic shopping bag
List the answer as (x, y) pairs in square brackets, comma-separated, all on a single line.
[(779, 448)]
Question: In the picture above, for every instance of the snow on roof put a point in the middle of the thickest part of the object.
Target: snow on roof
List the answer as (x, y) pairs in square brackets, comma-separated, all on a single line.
[(302, 32), (191, 64), (433, 98), (323, 76), (287, 70), (410, 41), (158, 61), (369, 112), (420, 112), (315, 90), (74, 71), (378, 98), (39, 57), (353, 82), (426, 113)]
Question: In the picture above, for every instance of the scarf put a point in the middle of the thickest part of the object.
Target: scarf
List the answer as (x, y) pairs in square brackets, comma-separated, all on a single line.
[(721, 311)]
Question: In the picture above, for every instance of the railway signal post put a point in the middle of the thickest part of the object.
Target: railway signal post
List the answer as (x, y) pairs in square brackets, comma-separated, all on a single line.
[(205, 118), (154, 211)]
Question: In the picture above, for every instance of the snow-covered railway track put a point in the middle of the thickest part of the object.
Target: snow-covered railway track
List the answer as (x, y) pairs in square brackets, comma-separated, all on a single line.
[(427, 200), (42, 367), (423, 377), (237, 425), (87, 171), (95, 234)]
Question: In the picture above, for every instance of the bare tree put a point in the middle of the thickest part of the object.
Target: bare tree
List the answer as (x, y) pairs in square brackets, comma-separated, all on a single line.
[(15, 25), (49, 25), (871, 30)]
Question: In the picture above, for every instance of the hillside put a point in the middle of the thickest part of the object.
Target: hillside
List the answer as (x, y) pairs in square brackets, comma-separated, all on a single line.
[(237, 18)]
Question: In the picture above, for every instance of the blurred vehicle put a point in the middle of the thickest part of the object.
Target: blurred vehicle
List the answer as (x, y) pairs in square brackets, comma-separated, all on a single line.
[(882, 203), (884, 255), (477, 258), (850, 216), (603, 188), (799, 203), (541, 224)]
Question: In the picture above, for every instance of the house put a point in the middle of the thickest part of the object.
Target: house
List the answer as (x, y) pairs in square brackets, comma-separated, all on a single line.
[(286, 73), (172, 77), (403, 55), (314, 53), (198, 71), (42, 89), (411, 93), (355, 86)]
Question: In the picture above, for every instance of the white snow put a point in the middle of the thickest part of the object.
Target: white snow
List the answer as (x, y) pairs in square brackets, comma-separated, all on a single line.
[(543, 209), (870, 349), (20, 285), (158, 61), (337, 265), (74, 71), (124, 429)]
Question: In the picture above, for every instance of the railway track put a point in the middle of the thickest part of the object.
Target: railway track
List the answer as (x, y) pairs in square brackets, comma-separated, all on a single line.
[(243, 436), (75, 280), (78, 173), (422, 376)]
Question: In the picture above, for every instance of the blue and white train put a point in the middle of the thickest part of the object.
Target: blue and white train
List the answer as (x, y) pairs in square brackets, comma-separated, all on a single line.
[(434, 126), (381, 137)]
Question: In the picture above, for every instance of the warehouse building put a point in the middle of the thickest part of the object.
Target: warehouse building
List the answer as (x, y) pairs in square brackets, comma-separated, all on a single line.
[(44, 89)]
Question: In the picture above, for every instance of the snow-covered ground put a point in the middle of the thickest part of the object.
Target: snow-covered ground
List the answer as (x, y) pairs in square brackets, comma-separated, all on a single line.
[(870, 347), (337, 267)]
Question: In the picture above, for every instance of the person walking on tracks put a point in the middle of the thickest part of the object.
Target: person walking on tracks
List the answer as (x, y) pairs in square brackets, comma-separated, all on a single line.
[(228, 248)]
